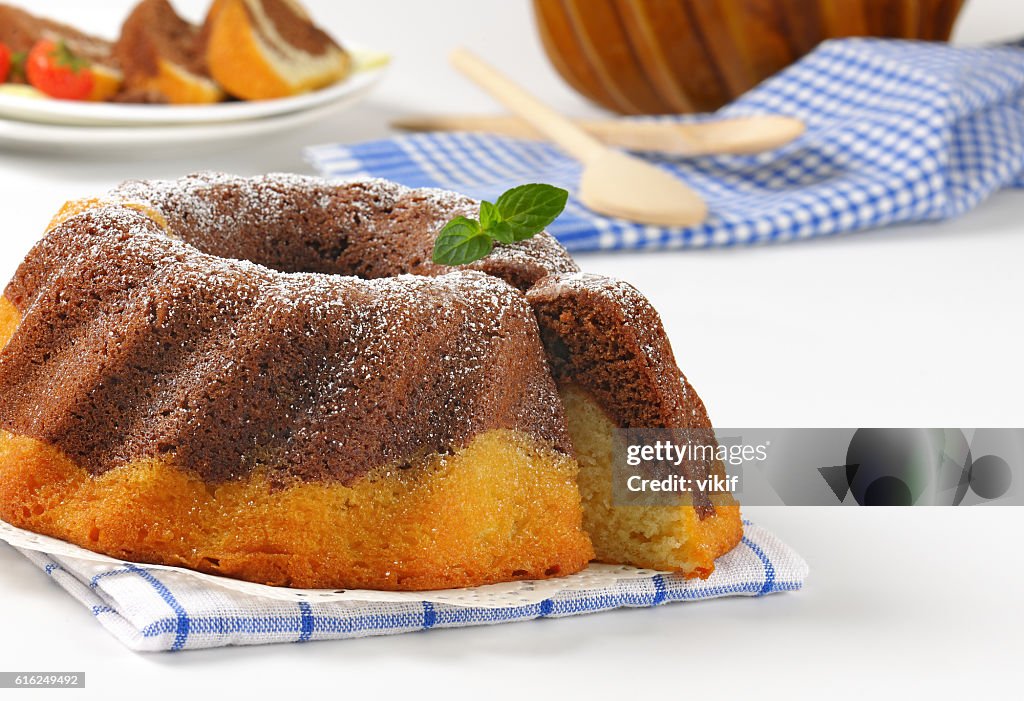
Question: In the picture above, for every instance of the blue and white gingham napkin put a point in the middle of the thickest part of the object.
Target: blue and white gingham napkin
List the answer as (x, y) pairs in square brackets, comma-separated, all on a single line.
[(898, 131), (152, 609)]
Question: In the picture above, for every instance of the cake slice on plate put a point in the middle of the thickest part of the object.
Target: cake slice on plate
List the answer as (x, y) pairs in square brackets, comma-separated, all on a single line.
[(163, 57), (263, 49)]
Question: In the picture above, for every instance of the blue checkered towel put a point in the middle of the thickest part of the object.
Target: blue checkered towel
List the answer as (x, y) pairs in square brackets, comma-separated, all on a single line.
[(898, 131), (158, 609)]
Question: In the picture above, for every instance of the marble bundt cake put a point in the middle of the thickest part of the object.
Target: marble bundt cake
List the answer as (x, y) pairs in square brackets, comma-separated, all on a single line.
[(270, 379)]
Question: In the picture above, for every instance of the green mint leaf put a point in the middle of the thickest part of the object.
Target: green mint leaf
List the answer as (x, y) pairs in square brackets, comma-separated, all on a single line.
[(461, 241), (494, 226), (489, 215), (502, 232), (530, 208), (517, 215)]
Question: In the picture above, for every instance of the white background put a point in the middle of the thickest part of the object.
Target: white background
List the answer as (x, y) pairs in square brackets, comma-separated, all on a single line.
[(910, 326)]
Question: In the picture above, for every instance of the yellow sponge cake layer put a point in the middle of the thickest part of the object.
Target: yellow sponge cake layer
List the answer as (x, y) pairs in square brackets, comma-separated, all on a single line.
[(501, 508)]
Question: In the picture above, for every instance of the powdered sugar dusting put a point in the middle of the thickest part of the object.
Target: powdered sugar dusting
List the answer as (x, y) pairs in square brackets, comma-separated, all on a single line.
[(247, 301), (634, 305), (367, 210)]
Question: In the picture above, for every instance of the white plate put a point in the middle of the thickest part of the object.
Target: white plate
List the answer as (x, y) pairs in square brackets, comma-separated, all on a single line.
[(146, 140), (369, 69)]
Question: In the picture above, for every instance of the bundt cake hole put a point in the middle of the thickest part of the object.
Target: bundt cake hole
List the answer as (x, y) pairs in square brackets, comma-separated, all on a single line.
[(328, 252)]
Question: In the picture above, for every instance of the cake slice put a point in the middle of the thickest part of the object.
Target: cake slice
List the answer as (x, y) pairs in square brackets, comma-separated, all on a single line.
[(615, 370), (163, 58), (264, 49), (20, 30)]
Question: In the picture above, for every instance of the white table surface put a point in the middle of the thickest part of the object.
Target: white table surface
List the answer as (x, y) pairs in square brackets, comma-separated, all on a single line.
[(910, 326)]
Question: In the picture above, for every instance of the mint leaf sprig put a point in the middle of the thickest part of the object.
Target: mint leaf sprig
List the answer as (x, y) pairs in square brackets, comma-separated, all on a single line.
[(516, 216)]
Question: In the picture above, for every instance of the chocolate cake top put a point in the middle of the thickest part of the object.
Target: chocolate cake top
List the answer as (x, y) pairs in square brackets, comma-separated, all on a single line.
[(143, 345)]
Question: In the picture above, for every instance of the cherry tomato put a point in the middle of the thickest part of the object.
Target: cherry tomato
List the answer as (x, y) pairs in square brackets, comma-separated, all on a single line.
[(53, 69), (5, 62)]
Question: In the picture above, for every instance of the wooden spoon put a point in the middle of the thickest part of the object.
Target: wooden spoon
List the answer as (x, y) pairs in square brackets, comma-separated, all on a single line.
[(738, 135), (612, 183)]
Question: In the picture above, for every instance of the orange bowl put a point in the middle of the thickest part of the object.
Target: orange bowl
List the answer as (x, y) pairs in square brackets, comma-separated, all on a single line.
[(661, 56)]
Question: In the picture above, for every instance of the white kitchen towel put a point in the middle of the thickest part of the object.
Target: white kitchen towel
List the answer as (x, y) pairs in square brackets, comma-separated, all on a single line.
[(152, 609), (897, 131)]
